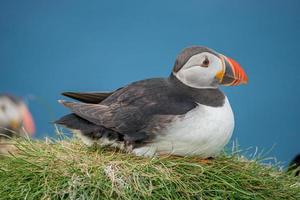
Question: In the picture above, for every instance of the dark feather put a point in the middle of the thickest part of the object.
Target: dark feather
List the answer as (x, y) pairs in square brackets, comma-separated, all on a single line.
[(88, 97), (129, 110), (73, 121), (87, 128), (295, 164), (90, 112), (138, 110)]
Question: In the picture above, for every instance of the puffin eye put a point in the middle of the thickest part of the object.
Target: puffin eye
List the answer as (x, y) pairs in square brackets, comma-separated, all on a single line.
[(205, 62)]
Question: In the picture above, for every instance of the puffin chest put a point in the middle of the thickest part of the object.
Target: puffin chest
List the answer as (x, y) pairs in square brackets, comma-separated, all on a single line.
[(205, 130)]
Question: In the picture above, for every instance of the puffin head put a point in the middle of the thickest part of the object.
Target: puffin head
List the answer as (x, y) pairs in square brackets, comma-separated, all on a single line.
[(201, 67), (14, 115)]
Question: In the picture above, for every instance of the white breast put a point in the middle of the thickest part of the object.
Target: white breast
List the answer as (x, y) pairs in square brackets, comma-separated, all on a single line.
[(203, 131)]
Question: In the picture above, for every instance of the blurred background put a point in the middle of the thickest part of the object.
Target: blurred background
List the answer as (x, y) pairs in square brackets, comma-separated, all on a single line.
[(47, 47)]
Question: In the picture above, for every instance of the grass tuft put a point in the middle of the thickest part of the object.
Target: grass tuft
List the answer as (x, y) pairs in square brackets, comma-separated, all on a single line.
[(67, 169)]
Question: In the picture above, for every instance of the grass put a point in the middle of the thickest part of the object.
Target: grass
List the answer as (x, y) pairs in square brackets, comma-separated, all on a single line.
[(66, 169)]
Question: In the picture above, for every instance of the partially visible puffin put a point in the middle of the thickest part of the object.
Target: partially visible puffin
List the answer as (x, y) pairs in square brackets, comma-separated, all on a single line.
[(15, 117), (184, 114), (15, 121), (295, 165)]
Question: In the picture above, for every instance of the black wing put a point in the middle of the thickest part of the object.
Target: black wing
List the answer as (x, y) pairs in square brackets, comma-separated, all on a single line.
[(131, 110), (89, 97)]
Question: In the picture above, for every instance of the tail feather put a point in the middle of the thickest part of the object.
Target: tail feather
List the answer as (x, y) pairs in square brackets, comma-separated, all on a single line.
[(87, 129), (73, 121), (88, 97)]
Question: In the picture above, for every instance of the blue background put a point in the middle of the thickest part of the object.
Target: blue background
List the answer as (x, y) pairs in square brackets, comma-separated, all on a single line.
[(47, 47)]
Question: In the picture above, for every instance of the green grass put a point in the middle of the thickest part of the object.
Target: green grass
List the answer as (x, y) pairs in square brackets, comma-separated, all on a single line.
[(66, 169)]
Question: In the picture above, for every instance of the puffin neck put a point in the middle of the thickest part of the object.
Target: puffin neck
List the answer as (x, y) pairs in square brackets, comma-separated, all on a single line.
[(206, 96)]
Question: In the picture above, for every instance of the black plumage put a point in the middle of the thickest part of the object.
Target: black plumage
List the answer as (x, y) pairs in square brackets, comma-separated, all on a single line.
[(184, 114), (88, 97), (295, 165), (135, 113)]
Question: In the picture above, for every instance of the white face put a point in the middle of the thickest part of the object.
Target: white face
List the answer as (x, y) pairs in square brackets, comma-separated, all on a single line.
[(200, 71), (8, 112)]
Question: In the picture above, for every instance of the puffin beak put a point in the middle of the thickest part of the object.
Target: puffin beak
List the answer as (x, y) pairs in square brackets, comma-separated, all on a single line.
[(232, 73), (28, 122)]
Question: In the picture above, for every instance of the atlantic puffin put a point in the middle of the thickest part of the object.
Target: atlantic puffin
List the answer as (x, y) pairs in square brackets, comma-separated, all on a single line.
[(15, 117), (184, 114)]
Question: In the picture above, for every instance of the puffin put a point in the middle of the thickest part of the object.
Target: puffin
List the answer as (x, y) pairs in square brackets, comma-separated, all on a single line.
[(15, 121), (185, 114), (15, 117)]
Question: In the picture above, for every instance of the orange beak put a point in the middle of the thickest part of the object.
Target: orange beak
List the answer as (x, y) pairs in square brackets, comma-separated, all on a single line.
[(232, 73), (28, 122)]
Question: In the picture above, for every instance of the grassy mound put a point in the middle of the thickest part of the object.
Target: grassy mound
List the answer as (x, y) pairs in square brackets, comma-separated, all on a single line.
[(68, 170)]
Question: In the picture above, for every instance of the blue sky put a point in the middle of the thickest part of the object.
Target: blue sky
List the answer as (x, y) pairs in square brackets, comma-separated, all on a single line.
[(47, 47)]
